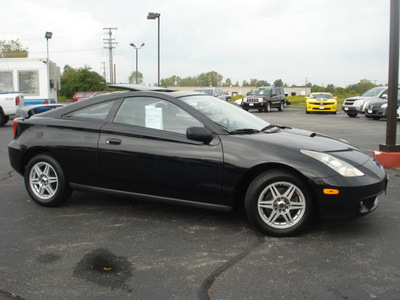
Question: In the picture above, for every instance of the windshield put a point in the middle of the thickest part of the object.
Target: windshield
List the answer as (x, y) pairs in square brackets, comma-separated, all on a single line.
[(373, 92), (258, 92), (319, 96), (226, 115)]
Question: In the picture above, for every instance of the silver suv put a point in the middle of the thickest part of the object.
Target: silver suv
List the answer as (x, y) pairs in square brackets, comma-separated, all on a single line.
[(356, 105), (216, 92)]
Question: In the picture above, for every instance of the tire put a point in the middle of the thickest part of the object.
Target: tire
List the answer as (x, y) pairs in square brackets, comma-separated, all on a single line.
[(278, 203), (268, 107), (352, 115), (45, 181), (3, 118), (376, 118), (281, 106), (307, 112)]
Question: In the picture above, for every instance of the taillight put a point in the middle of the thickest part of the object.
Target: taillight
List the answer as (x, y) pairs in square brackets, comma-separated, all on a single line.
[(17, 101), (45, 102), (15, 121)]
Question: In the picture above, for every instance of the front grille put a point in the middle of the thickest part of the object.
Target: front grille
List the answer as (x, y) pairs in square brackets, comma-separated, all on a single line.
[(349, 102), (322, 103), (251, 100)]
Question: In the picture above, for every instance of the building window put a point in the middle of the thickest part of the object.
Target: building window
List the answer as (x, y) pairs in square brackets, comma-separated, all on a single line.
[(29, 82), (6, 82)]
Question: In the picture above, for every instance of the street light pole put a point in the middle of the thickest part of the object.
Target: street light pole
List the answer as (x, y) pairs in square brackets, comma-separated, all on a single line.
[(48, 36), (137, 61), (153, 16)]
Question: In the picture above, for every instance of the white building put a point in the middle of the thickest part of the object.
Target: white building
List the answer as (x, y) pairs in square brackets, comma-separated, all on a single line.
[(31, 77)]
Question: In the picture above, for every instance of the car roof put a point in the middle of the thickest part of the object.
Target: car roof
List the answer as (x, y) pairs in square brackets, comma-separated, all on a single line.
[(140, 87)]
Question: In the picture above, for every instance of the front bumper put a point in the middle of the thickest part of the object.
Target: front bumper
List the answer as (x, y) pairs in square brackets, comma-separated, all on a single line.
[(352, 109), (321, 108), (351, 202), (254, 105), (375, 112)]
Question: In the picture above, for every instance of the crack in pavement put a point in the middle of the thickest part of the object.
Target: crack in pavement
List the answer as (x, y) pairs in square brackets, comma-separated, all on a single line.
[(205, 291), (10, 174), (7, 295)]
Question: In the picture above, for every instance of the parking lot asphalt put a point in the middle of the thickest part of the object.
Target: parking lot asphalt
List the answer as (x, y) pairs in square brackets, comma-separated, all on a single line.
[(102, 247)]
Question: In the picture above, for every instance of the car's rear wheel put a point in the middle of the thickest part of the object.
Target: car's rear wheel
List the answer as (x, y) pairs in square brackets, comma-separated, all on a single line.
[(278, 203), (3, 118), (281, 106), (45, 181)]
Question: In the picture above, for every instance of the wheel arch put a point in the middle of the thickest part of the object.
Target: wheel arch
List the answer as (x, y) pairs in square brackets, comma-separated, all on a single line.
[(34, 152), (252, 173)]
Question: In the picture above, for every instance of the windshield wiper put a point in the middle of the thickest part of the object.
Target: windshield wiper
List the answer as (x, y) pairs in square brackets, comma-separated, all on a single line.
[(244, 131), (270, 126)]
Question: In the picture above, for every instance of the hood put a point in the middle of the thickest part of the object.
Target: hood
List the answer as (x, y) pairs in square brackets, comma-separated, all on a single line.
[(355, 98), (306, 140)]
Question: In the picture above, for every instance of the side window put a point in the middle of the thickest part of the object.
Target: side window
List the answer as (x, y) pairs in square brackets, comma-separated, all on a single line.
[(98, 111), (155, 113)]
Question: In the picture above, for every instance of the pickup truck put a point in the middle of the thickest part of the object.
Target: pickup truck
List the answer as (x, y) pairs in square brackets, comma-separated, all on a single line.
[(9, 102)]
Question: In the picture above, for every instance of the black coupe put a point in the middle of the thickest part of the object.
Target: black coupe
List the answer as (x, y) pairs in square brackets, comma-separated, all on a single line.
[(193, 149)]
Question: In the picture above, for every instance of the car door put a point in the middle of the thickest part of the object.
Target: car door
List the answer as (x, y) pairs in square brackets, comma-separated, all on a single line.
[(145, 151), (275, 97)]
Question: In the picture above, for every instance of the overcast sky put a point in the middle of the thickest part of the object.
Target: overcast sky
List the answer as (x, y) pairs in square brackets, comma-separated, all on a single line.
[(321, 41)]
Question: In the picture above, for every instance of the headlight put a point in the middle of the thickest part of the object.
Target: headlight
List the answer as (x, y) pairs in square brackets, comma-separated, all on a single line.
[(384, 105), (358, 102), (340, 166)]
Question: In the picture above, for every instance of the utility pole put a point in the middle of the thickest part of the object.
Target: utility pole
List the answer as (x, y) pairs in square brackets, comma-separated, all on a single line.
[(104, 69), (110, 45)]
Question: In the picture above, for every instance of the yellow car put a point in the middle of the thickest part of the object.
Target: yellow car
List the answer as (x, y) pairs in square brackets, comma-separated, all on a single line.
[(321, 102)]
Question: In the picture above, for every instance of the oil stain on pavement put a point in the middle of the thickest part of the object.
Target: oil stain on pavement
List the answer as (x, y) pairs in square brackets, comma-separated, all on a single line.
[(104, 268)]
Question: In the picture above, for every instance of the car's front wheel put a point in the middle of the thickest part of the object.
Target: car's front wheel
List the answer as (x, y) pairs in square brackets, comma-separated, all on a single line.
[(278, 203), (45, 181)]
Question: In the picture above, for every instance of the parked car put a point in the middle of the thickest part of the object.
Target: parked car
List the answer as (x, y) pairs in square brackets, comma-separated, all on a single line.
[(356, 105), (227, 96), (264, 99), (94, 94), (192, 149), (377, 109), (79, 95), (213, 91), (321, 102), (9, 103)]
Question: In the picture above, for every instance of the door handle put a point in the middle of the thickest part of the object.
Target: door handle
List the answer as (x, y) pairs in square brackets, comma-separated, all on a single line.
[(112, 141)]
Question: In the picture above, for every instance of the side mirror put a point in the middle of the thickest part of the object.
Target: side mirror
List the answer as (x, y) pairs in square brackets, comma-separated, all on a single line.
[(384, 96), (200, 134)]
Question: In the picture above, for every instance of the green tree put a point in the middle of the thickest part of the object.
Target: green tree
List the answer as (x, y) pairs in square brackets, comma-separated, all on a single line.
[(228, 82), (209, 79), (189, 81), (80, 79), (278, 82), (132, 77), (12, 48), (171, 81)]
